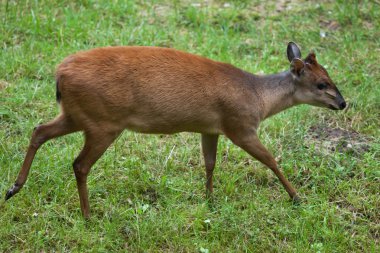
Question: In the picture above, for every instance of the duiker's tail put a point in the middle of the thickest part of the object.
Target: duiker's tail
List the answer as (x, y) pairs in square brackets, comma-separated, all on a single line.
[(57, 93)]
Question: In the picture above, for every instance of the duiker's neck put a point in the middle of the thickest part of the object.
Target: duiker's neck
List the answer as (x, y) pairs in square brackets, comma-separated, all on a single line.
[(276, 91)]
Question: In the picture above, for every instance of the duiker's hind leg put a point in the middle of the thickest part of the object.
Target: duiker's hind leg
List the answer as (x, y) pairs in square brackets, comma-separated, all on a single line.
[(96, 143), (59, 126), (209, 147)]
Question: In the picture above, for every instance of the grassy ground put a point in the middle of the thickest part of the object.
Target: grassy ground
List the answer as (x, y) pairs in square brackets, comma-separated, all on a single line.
[(147, 191)]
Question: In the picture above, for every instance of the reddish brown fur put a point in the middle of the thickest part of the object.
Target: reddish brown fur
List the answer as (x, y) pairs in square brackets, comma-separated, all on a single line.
[(148, 102), (157, 90)]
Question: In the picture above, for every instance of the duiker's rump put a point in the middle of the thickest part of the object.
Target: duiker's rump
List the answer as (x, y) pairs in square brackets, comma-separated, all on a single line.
[(158, 90)]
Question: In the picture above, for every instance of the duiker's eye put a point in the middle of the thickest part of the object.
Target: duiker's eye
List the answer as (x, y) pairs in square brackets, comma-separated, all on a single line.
[(321, 86)]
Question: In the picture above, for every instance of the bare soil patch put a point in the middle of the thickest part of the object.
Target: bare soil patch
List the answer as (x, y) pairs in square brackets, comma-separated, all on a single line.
[(326, 140)]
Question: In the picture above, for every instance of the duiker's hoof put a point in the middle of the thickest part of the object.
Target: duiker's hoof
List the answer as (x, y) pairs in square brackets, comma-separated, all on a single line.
[(15, 188), (296, 200), (9, 194)]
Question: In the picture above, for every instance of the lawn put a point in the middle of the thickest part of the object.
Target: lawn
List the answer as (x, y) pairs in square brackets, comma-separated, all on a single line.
[(147, 192)]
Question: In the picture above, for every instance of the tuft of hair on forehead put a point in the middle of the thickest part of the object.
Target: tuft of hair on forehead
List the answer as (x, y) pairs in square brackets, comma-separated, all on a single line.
[(323, 69), (311, 58)]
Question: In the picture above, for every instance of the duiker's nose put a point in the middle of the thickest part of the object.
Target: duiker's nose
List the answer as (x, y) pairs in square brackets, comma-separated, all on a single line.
[(340, 101), (342, 105)]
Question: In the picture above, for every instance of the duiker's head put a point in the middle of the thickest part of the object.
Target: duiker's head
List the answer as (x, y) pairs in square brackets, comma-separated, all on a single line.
[(313, 84)]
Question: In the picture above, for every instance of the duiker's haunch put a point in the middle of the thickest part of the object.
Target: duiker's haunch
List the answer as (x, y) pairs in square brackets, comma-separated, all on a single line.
[(158, 90)]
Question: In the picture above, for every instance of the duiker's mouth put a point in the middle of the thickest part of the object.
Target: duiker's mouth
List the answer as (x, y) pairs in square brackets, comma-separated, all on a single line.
[(341, 106), (333, 107)]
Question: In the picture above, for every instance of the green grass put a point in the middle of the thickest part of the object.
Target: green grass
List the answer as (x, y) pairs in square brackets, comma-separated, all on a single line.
[(147, 192)]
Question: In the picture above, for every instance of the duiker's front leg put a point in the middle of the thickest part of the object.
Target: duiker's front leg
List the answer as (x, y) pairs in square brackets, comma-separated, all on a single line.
[(251, 144)]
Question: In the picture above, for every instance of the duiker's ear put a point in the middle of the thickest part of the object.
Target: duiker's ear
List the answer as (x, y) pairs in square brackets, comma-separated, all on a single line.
[(297, 66), (293, 51)]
